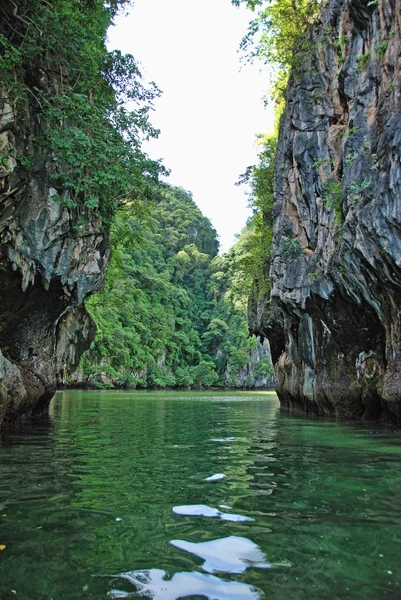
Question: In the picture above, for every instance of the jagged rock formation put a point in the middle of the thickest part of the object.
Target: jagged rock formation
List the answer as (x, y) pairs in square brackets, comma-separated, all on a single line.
[(334, 322), (47, 266)]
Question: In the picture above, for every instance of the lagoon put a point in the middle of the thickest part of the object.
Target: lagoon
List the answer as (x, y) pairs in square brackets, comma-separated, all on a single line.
[(89, 499)]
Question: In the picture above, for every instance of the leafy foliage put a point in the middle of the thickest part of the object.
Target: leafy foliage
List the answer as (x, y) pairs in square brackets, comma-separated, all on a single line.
[(332, 197), (277, 29), (252, 269), (56, 68), (171, 313), (291, 247)]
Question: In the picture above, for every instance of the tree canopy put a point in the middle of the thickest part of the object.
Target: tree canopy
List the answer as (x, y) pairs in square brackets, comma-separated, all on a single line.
[(56, 68), (172, 312)]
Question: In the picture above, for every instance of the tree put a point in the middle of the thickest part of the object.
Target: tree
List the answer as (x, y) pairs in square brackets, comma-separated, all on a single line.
[(78, 92), (204, 374), (161, 313)]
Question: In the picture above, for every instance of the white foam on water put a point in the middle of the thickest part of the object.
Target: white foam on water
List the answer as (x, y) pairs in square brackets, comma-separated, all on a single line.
[(231, 554), (154, 583)]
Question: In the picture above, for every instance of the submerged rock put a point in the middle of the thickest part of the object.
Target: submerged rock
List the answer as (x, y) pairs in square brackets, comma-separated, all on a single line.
[(334, 321)]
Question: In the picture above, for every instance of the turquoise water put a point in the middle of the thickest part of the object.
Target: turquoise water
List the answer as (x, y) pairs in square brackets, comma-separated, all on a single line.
[(87, 499)]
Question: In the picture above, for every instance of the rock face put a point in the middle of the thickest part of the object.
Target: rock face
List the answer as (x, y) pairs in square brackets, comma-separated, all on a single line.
[(334, 323), (257, 373), (48, 266)]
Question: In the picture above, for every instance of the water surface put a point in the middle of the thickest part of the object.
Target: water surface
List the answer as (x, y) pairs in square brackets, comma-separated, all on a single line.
[(87, 499)]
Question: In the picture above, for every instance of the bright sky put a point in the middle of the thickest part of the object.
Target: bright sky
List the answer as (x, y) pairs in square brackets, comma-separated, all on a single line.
[(210, 109)]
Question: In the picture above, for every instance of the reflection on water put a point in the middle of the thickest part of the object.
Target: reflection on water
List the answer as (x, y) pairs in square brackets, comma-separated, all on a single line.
[(155, 584), (201, 510), (216, 477), (232, 554), (91, 493)]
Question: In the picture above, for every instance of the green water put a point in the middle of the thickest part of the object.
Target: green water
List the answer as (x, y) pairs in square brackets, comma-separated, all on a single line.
[(325, 498)]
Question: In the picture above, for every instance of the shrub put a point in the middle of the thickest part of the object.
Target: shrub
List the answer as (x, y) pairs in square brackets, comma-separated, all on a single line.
[(291, 248), (332, 198)]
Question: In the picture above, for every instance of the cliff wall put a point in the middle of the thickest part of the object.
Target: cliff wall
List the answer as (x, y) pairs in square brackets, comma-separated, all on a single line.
[(48, 265), (334, 318)]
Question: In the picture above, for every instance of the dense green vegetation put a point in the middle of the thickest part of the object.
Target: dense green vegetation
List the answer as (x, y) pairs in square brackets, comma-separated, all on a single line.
[(55, 65), (173, 313), (260, 178)]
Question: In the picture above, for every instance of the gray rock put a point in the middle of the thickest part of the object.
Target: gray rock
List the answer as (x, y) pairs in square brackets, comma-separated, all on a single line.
[(334, 319), (47, 268)]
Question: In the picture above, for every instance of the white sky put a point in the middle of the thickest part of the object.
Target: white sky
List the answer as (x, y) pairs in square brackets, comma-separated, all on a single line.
[(210, 110)]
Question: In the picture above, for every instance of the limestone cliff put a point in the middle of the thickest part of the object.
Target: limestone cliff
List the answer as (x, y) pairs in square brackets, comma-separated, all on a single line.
[(257, 373), (47, 266), (334, 323)]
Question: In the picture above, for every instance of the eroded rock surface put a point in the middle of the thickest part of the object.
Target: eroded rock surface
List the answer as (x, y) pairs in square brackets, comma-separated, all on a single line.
[(334, 323), (48, 266)]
